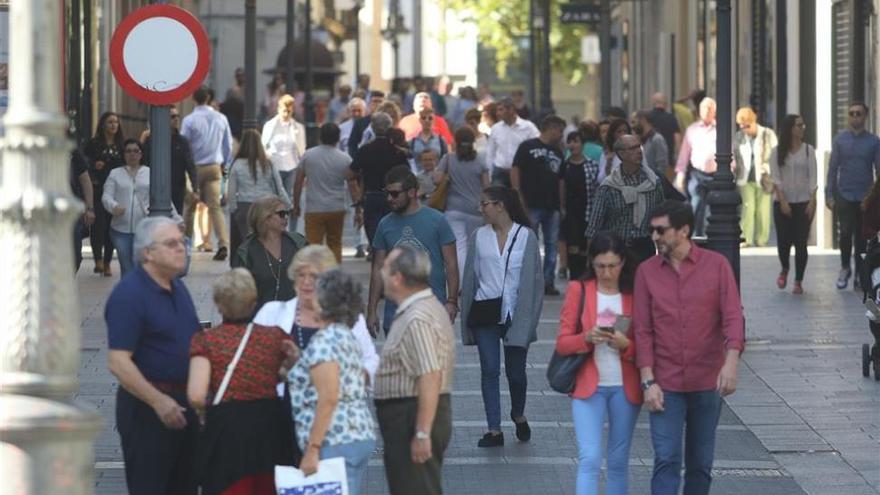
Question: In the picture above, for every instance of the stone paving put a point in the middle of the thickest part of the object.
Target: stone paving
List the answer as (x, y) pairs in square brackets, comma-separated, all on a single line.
[(803, 420)]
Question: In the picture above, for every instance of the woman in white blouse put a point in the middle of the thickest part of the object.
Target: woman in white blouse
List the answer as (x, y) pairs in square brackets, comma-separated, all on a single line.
[(502, 295), (127, 198), (285, 141), (793, 168)]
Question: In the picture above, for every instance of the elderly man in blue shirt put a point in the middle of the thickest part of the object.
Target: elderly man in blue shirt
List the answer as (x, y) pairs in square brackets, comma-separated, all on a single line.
[(210, 140), (150, 320), (855, 163)]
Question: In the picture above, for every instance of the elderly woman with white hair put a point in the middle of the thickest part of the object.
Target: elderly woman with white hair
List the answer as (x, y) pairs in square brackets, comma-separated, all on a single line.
[(236, 366), (329, 386)]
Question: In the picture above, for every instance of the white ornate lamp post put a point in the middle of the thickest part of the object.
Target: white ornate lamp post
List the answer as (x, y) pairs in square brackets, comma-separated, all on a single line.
[(45, 438)]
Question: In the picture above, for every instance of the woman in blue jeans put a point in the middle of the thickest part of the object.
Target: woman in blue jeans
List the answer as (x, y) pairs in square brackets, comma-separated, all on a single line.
[(595, 322), (502, 294)]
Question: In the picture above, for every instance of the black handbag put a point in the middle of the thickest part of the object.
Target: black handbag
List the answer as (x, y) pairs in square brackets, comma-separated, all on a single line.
[(562, 370), (488, 311)]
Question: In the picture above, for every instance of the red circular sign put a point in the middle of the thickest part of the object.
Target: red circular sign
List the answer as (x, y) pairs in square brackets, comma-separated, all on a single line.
[(160, 54)]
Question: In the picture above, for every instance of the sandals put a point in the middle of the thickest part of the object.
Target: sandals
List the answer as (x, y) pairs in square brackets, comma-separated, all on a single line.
[(798, 288), (782, 280)]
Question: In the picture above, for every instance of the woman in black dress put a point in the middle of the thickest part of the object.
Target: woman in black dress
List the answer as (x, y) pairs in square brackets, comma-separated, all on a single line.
[(104, 152), (578, 181)]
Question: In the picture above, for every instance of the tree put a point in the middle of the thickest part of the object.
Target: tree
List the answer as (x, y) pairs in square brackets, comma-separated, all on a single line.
[(500, 22)]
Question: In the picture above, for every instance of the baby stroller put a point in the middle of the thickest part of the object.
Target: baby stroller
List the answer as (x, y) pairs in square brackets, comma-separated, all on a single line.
[(869, 277)]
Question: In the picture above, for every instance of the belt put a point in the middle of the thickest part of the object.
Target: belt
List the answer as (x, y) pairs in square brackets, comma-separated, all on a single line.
[(170, 387)]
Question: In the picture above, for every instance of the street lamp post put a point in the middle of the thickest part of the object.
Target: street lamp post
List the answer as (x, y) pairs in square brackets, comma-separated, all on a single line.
[(547, 67), (309, 103), (46, 439), (393, 30), (290, 32), (250, 64), (723, 199), (358, 5)]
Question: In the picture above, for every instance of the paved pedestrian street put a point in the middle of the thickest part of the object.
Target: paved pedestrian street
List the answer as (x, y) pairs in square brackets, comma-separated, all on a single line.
[(803, 420)]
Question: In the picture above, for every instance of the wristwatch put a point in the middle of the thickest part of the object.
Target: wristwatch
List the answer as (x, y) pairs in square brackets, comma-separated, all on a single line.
[(647, 384), (420, 435)]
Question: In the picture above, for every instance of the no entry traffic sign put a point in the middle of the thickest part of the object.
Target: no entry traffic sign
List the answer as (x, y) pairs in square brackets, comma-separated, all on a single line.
[(160, 54)]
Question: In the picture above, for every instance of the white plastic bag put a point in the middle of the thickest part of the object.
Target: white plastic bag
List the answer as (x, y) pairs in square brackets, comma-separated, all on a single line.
[(330, 479)]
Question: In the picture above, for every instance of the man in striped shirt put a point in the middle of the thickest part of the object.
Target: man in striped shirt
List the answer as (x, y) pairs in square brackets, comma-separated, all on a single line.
[(414, 378)]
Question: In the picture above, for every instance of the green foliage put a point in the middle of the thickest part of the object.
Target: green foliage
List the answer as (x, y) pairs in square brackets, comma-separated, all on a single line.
[(500, 22)]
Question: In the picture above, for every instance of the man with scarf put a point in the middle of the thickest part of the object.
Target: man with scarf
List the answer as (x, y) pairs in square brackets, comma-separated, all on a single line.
[(626, 198)]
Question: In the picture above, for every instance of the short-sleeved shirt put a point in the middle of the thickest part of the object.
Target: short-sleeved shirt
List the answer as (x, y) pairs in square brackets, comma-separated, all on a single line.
[(421, 341), (351, 420), (465, 183), (155, 324), (256, 373), (325, 168), (373, 160), (538, 166), (426, 229)]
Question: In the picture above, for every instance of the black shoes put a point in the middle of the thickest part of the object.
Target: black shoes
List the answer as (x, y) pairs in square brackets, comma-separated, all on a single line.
[(550, 291), (221, 254), (523, 431), (491, 440)]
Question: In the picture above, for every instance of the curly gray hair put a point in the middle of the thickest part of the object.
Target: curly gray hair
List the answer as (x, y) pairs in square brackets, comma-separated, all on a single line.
[(339, 297)]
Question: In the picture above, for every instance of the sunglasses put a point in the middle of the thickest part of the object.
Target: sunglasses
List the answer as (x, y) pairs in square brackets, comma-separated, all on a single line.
[(282, 214), (606, 266), (659, 229), (393, 194)]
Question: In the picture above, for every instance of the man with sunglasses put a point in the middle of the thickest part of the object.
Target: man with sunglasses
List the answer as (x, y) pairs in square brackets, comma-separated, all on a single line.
[(853, 168), (689, 327), (413, 225)]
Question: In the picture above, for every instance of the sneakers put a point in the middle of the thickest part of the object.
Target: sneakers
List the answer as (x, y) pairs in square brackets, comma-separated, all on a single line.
[(550, 291), (843, 278), (491, 440), (523, 431), (221, 254)]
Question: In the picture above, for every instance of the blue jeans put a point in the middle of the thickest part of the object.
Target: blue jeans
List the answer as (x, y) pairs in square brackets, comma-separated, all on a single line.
[(124, 244), (589, 416), (287, 180), (488, 340), (698, 191), (549, 222), (698, 412), (356, 455)]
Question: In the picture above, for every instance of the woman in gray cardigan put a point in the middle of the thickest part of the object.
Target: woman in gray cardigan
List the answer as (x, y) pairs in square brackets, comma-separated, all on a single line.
[(502, 294)]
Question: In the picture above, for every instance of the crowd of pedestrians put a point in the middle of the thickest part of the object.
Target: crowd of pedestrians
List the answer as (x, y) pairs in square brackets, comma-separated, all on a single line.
[(288, 376)]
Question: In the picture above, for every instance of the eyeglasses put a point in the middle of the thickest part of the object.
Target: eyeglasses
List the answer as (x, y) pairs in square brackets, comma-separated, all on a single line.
[(171, 243), (630, 148), (606, 266), (133, 151), (393, 194), (282, 214), (855, 114), (801, 125), (427, 118), (484, 204), (659, 229)]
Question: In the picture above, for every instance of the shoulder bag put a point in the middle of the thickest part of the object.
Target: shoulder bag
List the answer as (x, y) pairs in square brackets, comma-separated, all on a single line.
[(562, 370), (231, 367), (488, 311), (441, 193)]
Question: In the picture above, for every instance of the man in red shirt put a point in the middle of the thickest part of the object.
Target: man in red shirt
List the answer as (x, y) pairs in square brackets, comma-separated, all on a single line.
[(689, 330), (412, 126)]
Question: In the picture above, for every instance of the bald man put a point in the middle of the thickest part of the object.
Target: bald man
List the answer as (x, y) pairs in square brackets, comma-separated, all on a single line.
[(666, 125)]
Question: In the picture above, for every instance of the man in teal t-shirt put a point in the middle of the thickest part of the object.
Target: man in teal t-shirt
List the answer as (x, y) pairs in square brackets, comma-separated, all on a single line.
[(413, 224)]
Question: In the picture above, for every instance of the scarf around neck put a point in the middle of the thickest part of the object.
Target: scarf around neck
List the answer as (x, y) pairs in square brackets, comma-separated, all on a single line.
[(633, 194)]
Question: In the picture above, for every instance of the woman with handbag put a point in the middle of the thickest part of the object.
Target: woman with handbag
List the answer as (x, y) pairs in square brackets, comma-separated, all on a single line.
[(465, 175), (594, 322), (251, 177), (502, 295), (236, 366)]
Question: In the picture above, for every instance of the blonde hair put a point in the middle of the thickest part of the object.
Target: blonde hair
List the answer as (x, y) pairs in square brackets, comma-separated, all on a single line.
[(259, 212), (317, 256), (285, 101), (746, 115), (235, 294)]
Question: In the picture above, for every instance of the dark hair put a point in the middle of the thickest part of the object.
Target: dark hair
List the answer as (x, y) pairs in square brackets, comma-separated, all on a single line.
[(135, 142), (859, 104), (573, 135), (465, 152), (118, 138), (784, 148), (506, 102), (647, 115), (511, 201), (339, 297), (679, 213), (403, 175), (551, 121), (398, 138), (614, 113), (329, 133), (377, 94), (491, 109), (201, 95), (251, 149), (589, 130), (473, 113), (612, 130), (608, 242), (697, 96)]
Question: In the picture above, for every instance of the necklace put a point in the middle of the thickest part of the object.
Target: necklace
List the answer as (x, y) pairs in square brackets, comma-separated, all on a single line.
[(276, 273)]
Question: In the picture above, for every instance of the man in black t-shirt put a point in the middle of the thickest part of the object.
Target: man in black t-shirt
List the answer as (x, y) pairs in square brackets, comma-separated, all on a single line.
[(535, 175)]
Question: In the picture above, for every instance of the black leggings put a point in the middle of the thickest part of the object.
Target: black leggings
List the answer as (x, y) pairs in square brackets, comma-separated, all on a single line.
[(102, 246), (849, 227), (792, 230)]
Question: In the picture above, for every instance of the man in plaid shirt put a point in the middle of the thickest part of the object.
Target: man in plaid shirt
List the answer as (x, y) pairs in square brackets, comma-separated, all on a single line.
[(626, 198)]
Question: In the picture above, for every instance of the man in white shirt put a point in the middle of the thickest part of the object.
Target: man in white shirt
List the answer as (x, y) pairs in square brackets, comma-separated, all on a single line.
[(357, 108), (505, 138), (210, 140)]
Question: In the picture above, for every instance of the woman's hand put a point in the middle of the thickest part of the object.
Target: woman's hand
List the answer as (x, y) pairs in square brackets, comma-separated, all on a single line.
[(118, 211), (595, 336), (619, 341), (309, 464), (99, 165), (291, 356)]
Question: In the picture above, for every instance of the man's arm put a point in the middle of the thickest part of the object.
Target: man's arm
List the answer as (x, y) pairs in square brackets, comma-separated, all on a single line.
[(375, 291), (450, 261), (132, 380), (429, 397), (297, 188), (676, 140), (733, 327), (681, 166), (597, 212), (831, 182), (85, 183)]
